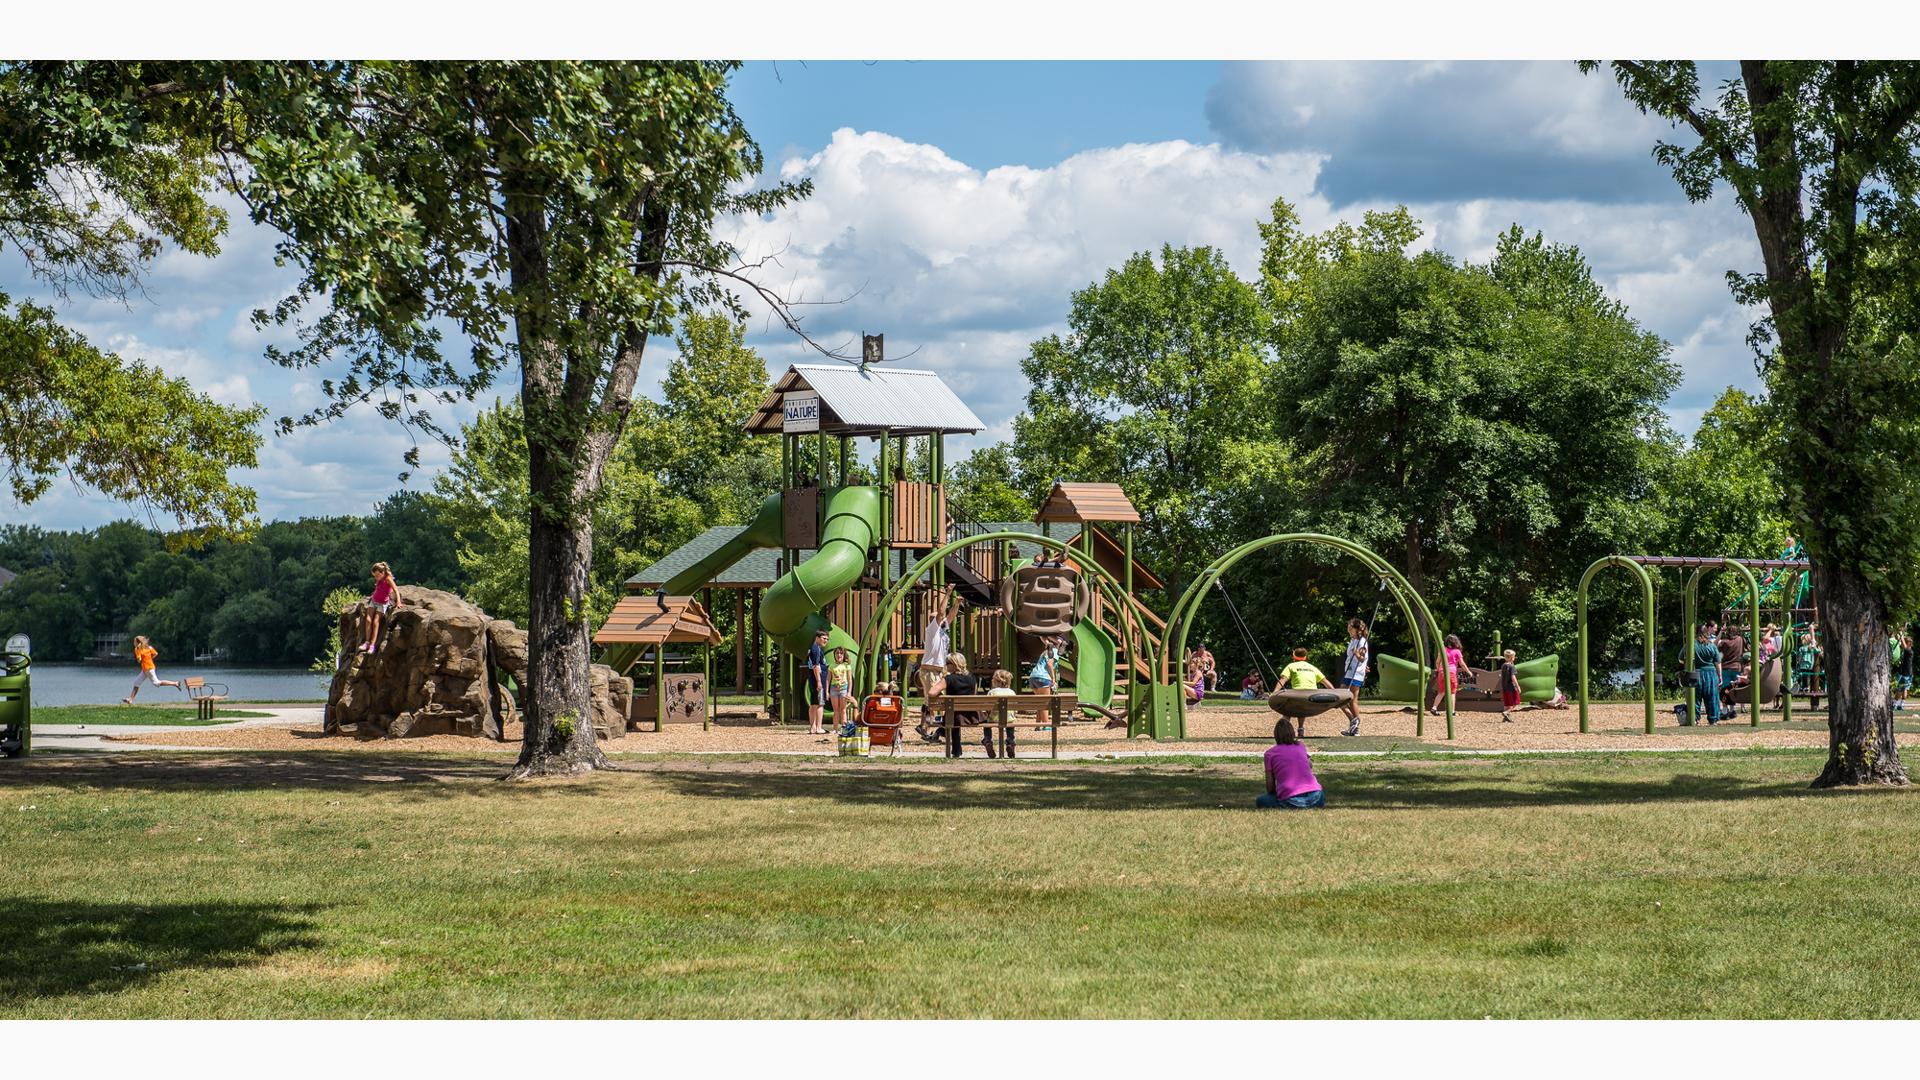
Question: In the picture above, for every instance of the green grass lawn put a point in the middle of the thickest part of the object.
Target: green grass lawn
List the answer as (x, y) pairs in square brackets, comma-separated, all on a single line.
[(96, 715), (364, 885)]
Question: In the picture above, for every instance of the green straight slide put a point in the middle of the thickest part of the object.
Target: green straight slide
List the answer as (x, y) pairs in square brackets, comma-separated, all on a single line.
[(791, 609), (1093, 653), (766, 530)]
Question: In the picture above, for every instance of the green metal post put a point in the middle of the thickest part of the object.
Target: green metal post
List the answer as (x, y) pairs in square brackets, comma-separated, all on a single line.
[(1646, 609), (659, 686)]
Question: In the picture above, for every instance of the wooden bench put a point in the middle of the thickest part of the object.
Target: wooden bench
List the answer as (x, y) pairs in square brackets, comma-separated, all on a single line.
[(202, 694), (1048, 711)]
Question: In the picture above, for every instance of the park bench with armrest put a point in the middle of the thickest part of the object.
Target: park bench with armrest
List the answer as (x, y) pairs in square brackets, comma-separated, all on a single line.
[(1047, 710), (203, 695)]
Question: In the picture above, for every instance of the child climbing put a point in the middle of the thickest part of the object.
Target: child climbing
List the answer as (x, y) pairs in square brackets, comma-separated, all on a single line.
[(1291, 784), (386, 592), (1509, 686), (144, 652), (1453, 664), (1354, 675)]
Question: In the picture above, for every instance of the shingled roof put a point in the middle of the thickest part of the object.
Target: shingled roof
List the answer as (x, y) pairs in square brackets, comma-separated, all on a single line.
[(754, 571), (1087, 502)]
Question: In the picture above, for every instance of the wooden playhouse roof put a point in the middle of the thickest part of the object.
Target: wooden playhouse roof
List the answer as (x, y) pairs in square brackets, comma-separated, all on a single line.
[(1087, 502), (657, 620)]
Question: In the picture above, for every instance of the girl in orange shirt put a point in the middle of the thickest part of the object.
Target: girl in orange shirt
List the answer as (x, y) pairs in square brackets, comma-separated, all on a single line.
[(144, 653)]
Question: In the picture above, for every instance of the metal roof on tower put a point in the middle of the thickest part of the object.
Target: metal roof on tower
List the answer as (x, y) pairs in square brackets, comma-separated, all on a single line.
[(865, 400)]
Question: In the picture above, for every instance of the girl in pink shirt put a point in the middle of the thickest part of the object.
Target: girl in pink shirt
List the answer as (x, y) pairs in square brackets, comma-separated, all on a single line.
[(385, 595), (1291, 784), (1446, 673)]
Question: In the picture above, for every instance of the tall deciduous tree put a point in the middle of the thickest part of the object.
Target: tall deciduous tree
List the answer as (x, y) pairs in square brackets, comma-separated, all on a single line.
[(1821, 156), (94, 182), (558, 215), (1156, 386), (1489, 425)]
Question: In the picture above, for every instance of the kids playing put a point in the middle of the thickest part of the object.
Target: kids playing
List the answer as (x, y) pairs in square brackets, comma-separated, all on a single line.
[(1291, 784), (1354, 675), (385, 594), (144, 653), (1509, 685), (1301, 675), (1453, 663)]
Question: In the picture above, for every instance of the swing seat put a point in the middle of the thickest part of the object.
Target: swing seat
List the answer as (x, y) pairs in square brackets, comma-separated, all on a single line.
[(1301, 704)]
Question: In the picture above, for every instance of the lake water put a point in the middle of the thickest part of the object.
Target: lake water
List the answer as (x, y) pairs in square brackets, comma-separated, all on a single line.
[(90, 684)]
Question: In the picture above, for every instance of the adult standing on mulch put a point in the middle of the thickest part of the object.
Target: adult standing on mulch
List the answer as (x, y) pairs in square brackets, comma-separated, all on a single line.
[(934, 643)]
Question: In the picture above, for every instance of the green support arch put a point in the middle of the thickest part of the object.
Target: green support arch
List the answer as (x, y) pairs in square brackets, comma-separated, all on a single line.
[(890, 601), (1691, 617), (1646, 609), (1412, 607)]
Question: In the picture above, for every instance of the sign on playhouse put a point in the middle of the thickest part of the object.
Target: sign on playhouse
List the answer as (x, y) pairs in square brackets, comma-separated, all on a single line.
[(802, 413)]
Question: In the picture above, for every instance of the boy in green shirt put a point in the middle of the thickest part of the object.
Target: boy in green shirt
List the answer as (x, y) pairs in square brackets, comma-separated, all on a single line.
[(1301, 675)]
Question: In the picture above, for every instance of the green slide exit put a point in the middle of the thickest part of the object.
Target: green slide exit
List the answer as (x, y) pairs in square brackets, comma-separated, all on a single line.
[(1093, 656), (790, 610)]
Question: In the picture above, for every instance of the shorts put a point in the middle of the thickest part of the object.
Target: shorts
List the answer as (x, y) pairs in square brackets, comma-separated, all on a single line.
[(379, 609), (1905, 681), (1509, 698), (837, 693), (1039, 682), (147, 675), (1306, 800), (1354, 683), (813, 691)]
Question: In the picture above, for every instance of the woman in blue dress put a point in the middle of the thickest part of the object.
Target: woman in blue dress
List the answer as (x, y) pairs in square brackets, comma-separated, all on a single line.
[(1706, 670)]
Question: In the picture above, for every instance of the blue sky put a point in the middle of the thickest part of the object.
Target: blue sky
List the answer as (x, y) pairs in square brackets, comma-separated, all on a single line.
[(957, 205)]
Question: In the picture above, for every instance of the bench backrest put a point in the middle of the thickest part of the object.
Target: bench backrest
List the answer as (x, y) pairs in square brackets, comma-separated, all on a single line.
[(193, 682), (1015, 702)]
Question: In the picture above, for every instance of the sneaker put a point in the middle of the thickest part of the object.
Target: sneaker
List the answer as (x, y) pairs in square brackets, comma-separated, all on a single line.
[(1353, 730), (1505, 719), (126, 701)]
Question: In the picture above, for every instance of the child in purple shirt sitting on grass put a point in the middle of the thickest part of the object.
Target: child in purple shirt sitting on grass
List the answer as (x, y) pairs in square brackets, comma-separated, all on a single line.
[(1291, 784)]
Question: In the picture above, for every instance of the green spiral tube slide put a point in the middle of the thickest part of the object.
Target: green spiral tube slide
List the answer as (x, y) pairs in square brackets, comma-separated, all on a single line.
[(791, 609)]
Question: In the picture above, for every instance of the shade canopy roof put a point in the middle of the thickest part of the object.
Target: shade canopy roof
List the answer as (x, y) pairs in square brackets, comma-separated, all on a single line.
[(657, 620), (866, 400), (1087, 502)]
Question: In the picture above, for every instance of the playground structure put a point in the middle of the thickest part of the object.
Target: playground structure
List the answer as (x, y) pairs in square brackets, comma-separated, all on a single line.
[(868, 552), (869, 560), (1786, 576)]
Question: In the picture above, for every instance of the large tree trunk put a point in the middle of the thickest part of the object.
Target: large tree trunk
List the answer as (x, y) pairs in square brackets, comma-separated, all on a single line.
[(1853, 625), (559, 718)]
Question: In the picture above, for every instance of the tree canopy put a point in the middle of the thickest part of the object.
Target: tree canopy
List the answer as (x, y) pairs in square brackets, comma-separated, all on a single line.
[(1824, 159)]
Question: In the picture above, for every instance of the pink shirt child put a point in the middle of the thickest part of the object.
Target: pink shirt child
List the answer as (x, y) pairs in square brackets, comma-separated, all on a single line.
[(1291, 770), (383, 590), (1456, 662)]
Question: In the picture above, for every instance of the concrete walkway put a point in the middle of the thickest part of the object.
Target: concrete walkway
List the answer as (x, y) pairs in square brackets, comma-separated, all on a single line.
[(94, 736)]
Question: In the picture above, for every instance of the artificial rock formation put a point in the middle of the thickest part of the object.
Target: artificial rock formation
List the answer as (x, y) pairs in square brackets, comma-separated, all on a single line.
[(442, 669)]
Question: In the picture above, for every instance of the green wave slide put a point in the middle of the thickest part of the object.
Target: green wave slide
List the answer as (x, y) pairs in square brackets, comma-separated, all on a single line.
[(791, 609)]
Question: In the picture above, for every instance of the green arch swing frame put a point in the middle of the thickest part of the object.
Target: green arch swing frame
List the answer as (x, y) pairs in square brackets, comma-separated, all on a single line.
[(1413, 608)]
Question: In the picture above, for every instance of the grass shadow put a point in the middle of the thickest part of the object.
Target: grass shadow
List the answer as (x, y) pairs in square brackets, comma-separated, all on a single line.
[(415, 774), (1372, 786), (54, 949)]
